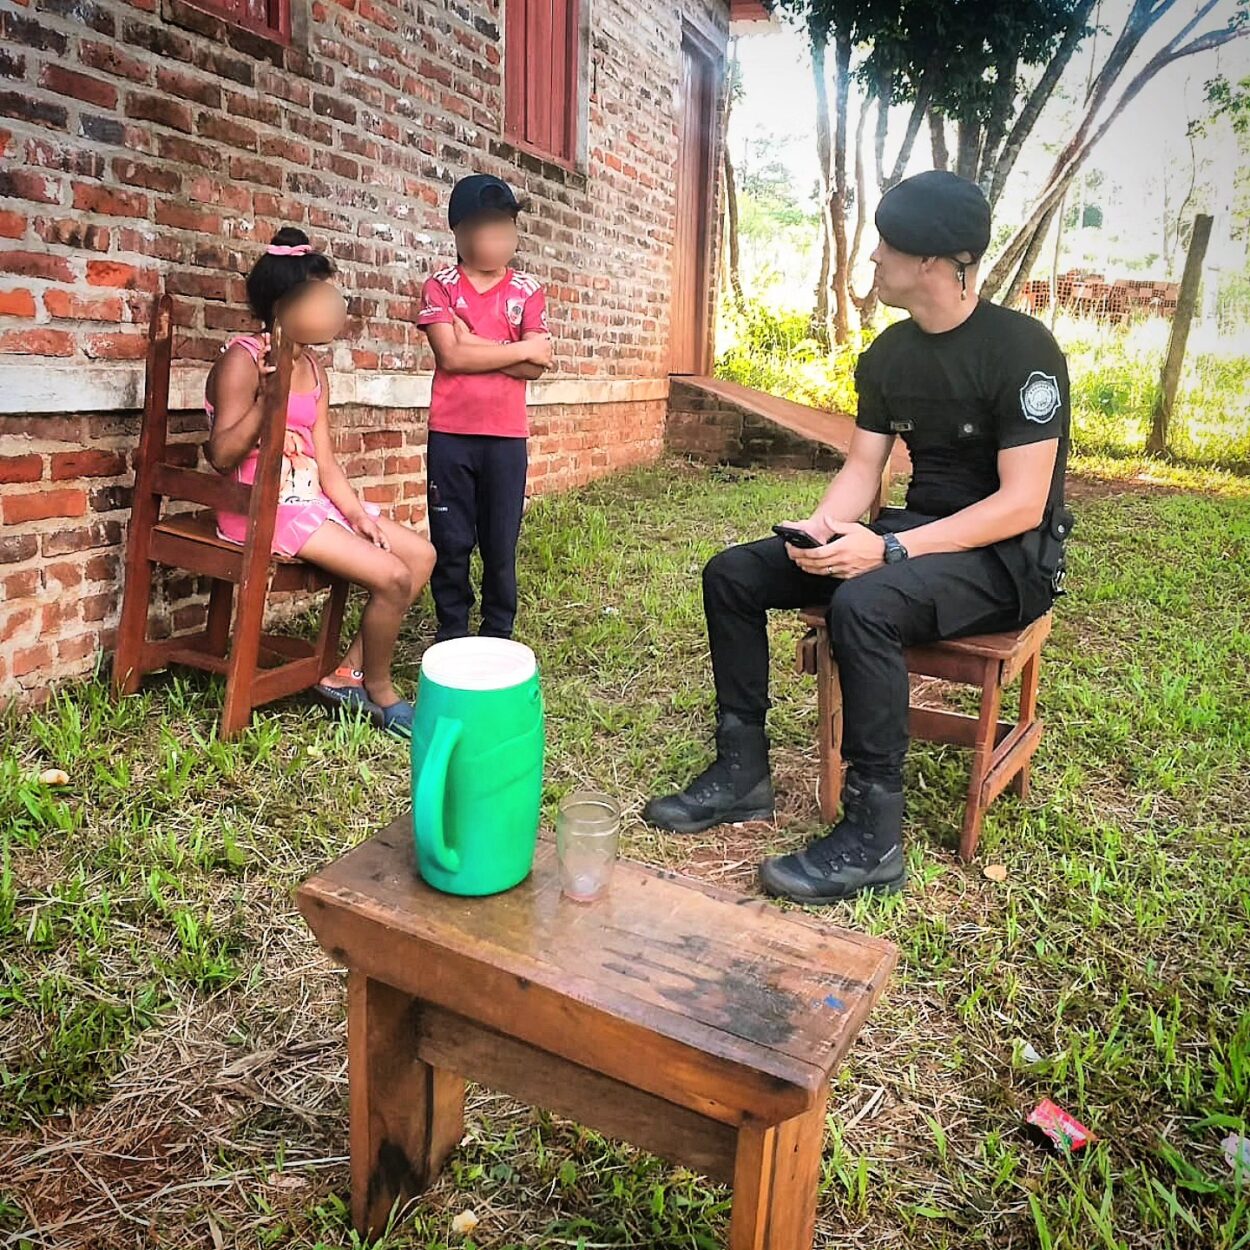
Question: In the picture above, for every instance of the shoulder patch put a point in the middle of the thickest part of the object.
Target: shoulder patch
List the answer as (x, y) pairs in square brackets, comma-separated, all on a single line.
[(1039, 397), (447, 276), (524, 283)]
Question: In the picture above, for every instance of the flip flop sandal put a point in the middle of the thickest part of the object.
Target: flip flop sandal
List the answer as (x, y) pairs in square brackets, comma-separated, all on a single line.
[(395, 720), (344, 698)]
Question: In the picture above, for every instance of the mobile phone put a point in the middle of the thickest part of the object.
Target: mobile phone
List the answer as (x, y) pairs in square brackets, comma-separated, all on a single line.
[(797, 537)]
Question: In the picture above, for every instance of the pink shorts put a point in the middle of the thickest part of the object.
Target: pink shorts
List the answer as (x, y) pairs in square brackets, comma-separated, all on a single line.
[(296, 524)]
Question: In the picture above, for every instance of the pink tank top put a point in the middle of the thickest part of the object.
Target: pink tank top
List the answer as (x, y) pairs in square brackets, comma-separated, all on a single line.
[(300, 481), (300, 484)]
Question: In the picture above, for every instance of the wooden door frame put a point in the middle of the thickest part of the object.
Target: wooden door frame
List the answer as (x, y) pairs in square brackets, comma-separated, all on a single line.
[(696, 41)]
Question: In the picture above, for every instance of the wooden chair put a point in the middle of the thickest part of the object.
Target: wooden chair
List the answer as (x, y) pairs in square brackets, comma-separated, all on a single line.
[(1001, 750), (258, 667)]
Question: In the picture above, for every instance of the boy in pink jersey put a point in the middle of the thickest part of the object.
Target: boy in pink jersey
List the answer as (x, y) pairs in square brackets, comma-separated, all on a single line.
[(487, 325)]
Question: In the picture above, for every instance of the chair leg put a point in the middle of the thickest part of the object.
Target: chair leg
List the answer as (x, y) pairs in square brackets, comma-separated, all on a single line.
[(829, 729), (132, 628), (1028, 714), (328, 636), (220, 607), (982, 757), (244, 658)]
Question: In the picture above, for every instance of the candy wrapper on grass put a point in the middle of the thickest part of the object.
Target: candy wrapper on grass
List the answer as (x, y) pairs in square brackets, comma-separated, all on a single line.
[(1063, 1132)]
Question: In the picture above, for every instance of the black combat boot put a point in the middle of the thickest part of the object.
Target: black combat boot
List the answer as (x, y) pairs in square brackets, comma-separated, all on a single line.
[(863, 851), (737, 786)]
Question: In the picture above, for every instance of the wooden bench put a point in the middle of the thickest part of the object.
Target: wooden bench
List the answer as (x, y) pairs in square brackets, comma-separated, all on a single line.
[(1001, 750), (696, 1024)]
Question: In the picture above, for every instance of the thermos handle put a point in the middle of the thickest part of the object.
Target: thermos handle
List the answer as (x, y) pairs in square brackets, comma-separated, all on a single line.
[(431, 795)]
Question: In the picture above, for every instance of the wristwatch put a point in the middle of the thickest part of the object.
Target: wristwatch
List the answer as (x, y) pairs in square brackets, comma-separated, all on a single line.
[(894, 550)]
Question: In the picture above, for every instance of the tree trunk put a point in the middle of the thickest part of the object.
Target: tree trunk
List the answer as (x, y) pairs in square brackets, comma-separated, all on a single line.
[(882, 92), (841, 296), (861, 190), (1054, 263), (1025, 239), (1030, 255), (824, 152), (1157, 444), (865, 304), (924, 93), (1002, 98), (1142, 17), (968, 152), (937, 137), (1038, 98)]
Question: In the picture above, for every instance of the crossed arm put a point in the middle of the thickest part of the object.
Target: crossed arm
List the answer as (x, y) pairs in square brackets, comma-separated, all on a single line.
[(1016, 507), (458, 350)]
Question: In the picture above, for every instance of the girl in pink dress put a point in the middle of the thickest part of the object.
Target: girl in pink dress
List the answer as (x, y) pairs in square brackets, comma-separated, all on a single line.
[(320, 518)]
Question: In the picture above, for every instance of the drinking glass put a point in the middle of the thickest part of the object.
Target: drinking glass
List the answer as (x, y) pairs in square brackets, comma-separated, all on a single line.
[(588, 828)]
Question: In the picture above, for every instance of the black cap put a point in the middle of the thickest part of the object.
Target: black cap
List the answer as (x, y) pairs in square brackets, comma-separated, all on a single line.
[(935, 214), (480, 193)]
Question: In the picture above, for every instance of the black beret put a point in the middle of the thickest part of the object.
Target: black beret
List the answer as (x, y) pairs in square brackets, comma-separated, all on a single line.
[(936, 213)]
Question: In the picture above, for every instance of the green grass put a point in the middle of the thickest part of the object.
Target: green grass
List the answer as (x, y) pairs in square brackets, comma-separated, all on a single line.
[(1114, 371), (171, 1041)]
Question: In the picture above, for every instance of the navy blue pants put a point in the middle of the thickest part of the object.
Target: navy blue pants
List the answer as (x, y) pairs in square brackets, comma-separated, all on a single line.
[(475, 494)]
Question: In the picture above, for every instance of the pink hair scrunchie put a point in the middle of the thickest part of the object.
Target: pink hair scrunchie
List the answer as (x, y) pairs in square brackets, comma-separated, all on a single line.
[(299, 249)]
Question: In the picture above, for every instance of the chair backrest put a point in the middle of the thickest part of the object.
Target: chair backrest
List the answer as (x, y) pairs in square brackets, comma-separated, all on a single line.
[(160, 477)]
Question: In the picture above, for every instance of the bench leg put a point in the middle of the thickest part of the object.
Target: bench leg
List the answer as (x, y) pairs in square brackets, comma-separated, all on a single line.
[(776, 1183), (1028, 714), (406, 1116), (829, 730)]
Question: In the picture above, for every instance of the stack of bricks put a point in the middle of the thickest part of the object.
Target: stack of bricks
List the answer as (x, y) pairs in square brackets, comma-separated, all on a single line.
[(147, 145), (1091, 295)]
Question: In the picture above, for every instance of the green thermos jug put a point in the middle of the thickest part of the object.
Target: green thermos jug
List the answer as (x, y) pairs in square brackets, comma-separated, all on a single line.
[(477, 765)]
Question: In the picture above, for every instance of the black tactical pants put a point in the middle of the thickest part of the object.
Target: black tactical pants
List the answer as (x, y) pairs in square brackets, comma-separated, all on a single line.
[(871, 619)]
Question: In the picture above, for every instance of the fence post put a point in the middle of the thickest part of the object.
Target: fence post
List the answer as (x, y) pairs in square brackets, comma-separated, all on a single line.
[(1157, 443)]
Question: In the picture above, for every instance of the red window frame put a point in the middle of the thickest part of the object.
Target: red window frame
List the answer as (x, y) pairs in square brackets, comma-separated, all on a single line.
[(542, 77), (268, 18)]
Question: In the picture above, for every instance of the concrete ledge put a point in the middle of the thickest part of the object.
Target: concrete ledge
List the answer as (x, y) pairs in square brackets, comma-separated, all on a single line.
[(86, 387), (727, 423)]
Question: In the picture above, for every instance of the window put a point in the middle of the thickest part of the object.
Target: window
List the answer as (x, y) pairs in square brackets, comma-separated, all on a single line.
[(542, 57), (271, 18)]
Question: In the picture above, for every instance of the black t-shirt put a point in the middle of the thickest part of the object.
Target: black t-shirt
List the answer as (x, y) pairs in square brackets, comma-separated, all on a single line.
[(956, 399)]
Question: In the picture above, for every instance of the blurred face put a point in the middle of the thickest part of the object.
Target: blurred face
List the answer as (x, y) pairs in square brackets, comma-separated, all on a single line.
[(315, 313), (487, 240), (898, 275)]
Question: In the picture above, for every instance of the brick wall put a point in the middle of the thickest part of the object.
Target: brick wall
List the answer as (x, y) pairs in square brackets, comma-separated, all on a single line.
[(64, 511), (143, 144)]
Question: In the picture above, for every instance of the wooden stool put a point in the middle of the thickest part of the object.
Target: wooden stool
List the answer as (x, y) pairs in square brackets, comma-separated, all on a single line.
[(1001, 750), (698, 1025), (258, 667)]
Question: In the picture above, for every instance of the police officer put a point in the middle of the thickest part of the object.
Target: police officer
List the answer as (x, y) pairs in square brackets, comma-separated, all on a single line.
[(979, 394)]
